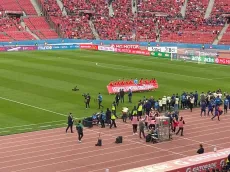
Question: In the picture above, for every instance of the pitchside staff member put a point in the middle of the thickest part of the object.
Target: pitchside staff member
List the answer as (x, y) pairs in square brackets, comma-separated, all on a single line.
[(79, 129), (87, 101), (99, 98), (70, 123)]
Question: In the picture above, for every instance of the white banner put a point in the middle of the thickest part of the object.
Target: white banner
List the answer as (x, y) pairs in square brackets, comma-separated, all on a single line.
[(103, 48), (163, 49)]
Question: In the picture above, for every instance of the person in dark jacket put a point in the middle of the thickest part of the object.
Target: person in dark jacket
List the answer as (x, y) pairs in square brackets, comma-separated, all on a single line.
[(108, 116), (102, 118), (142, 128), (79, 128), (200, 150), (122, 94), (70, 123)]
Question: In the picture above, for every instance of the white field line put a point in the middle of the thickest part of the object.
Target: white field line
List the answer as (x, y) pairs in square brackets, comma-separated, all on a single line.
[(35, 107), (3, 98), (27, 125), (24, 129), (109, 66)]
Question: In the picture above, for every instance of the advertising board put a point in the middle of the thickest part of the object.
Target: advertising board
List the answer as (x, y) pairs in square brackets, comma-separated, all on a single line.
[(104, 48), (201, 163), (47, 47), (133, 87), (89, 46), (163, 49), (209, 53), (132, 51), (18, 48), (65, 47), (126, 46), (161, 55), (196, 58), (223, 61)]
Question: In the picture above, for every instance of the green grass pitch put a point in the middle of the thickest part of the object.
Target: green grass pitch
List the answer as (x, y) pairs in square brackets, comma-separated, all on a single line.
[(36, 86)]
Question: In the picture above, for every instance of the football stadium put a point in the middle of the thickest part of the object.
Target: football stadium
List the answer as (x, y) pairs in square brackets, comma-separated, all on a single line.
[(114, 85)]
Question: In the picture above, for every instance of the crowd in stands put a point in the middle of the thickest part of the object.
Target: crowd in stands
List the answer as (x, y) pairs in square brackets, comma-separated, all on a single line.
[(153, 20)]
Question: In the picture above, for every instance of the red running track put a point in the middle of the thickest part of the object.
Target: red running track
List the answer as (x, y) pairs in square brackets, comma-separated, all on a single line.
[(55, 151)]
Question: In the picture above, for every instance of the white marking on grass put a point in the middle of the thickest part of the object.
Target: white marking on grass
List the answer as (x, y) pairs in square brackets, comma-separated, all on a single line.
[(44, 126), (146, 70), (35, 107), (221, 78), (21, 126), (24, 129)]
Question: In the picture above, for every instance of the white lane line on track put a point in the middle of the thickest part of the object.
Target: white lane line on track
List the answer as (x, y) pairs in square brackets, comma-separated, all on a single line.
[(76, 159), (91, 152), (98, 130), (123, 164)]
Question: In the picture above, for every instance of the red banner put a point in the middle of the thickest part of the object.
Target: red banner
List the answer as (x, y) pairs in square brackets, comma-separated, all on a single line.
[(223, 61), (89, 46), (127, 46), (201, 163), (132, 51), (133, 87)]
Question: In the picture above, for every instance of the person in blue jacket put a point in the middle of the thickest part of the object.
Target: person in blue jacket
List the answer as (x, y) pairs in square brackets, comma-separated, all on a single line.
[(210, 107), (226, 103), (203, 108), (218, 101)]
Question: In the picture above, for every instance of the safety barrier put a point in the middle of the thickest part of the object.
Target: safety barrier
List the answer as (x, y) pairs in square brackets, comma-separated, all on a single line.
[(201, 163)]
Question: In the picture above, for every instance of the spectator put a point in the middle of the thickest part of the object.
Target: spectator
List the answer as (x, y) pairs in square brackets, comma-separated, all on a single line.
[(200, 150)]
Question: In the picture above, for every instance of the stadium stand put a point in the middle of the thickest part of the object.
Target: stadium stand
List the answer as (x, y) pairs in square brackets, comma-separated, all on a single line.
[(27, 7), (10, 5), (154, 20), (226, 37), (40, 27)]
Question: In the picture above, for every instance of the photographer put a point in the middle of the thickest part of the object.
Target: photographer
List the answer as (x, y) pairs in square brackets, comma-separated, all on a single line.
[(87, 100)]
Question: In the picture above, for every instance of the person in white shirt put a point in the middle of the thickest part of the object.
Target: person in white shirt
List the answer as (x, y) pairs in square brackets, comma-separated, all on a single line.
[(169, 102), (164, 101), (160, 105), (176, 105), (192, 99)]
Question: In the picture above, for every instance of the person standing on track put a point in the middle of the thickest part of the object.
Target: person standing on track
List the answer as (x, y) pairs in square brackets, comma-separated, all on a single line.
[(181, 124), (70, 123), (134, 120), (203, 108), (210, 107), (113, 119), (142, 128), (217, 113), (191, 104), (226, 102), (79, 129)]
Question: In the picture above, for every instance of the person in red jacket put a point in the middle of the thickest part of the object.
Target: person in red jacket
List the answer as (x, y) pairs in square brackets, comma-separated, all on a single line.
[(181, 126)]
